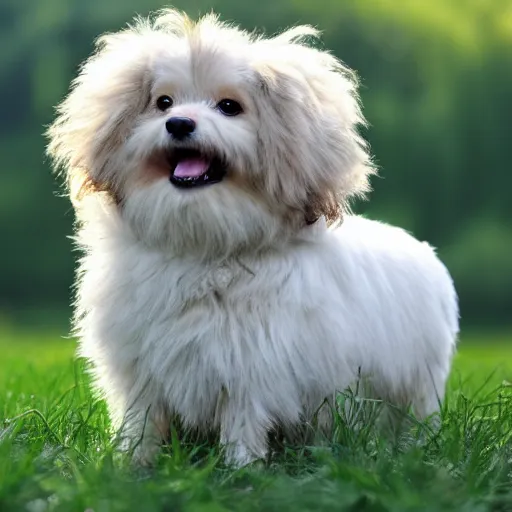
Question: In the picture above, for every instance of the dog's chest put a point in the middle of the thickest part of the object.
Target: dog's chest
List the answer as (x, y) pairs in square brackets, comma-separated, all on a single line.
[(171, 303), (188, 327), (195, 332)]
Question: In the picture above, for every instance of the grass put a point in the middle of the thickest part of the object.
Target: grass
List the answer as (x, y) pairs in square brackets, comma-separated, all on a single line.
[(56, 454)]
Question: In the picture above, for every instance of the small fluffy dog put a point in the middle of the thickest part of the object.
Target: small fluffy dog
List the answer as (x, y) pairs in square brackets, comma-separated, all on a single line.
[(224, 281)]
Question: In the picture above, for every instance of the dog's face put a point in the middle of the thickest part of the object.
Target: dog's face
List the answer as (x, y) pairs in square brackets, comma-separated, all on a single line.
[(209, 140)]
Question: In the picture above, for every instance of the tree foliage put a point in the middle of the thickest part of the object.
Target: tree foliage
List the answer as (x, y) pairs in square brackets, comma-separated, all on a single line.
[(436, 82)]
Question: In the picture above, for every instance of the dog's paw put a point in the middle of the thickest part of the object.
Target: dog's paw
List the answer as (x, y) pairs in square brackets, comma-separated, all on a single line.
[(238, 455), (137, 453), (145, 456)]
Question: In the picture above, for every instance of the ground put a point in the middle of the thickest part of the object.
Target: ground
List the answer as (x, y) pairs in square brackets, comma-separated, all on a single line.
[(56, 454)]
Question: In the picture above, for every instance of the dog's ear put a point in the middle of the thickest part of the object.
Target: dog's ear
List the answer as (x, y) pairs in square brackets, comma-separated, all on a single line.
[(93, 121), (309, 104), (326, 206)]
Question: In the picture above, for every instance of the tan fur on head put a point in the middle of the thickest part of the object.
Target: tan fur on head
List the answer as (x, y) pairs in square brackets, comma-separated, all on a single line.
[(94, 119), (294, 153)]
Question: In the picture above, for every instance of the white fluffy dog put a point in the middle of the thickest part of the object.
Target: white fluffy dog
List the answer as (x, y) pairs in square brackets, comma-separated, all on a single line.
[(224, 281)]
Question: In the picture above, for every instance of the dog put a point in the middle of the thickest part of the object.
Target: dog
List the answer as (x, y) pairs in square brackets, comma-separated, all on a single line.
[(224, 280)]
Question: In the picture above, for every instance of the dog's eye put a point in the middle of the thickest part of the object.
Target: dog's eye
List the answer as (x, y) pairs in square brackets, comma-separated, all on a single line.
[(230, 107), (163, 103)]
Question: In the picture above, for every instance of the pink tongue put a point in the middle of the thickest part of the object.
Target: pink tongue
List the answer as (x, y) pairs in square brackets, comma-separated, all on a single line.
[(191, 168)]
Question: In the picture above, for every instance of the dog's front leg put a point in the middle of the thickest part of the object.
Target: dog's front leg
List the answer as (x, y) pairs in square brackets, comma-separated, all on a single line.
[(142, 433), (244, 429)]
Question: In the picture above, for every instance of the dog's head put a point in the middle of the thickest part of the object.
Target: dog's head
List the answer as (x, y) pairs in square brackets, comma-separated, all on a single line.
[(209, 139)]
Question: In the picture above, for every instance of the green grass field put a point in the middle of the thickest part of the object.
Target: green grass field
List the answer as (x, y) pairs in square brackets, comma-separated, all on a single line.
[(56, 455)]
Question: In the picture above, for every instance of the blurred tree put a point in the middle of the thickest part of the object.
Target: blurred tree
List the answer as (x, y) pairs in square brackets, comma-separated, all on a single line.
[(436, 86)]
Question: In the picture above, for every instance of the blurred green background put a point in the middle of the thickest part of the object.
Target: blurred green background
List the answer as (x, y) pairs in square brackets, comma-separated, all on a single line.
[(436, 89)]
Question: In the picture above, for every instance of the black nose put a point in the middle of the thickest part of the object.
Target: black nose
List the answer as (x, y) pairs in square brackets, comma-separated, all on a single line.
[(180, 127)]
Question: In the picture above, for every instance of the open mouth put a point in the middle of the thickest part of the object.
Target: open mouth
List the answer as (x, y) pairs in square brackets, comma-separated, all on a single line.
[(191, 168)]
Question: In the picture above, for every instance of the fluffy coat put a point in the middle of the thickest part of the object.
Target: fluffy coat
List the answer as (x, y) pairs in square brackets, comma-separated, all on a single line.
[(239, 306)]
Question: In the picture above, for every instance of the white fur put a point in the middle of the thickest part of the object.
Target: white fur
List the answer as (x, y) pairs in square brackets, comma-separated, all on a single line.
[(220, 305)]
